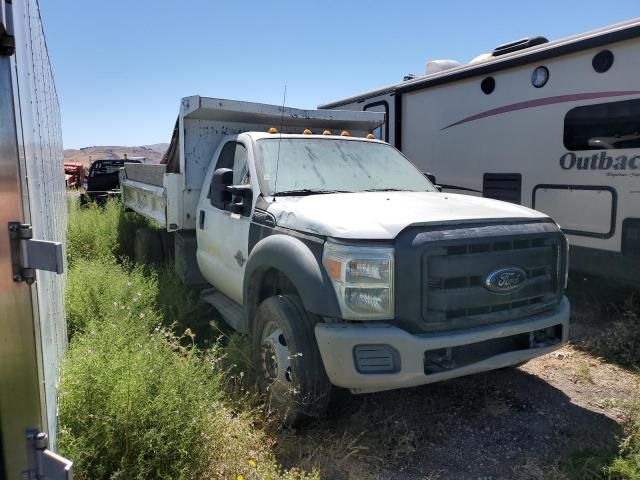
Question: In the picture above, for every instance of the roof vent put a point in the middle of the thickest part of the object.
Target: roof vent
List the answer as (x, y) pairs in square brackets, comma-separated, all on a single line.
[(518, 45), (437, 66), (483, 57)]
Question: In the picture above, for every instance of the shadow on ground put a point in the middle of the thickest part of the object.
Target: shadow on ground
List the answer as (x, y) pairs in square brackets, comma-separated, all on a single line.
[(605, 320), (505, 424)]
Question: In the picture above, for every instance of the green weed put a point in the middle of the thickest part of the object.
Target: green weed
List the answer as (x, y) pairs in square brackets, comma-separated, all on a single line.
[(138, 401)]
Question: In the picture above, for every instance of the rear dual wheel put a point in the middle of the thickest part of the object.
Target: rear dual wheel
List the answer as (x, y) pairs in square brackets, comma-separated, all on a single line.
[(290, 369)]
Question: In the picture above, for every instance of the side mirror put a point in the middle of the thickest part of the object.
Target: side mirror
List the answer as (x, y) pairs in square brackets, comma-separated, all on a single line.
[(432, 178), (242, 199), (218, 194)]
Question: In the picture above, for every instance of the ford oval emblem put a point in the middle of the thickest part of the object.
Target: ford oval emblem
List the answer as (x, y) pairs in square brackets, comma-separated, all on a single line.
[(505, 280)]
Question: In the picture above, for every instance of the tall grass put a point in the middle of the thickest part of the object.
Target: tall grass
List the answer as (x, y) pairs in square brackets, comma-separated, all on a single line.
[(626, 466), (96, 289), (137, 400)]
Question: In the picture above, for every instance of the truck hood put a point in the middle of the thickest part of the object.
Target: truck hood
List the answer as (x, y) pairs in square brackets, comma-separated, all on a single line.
[(382, 215)]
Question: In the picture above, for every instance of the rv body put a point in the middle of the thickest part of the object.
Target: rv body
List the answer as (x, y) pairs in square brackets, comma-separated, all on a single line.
[(340, 260), (554, 126)]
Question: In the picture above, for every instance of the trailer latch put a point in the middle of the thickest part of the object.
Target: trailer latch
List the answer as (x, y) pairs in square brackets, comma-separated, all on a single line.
[(43, 464), (29, 255)]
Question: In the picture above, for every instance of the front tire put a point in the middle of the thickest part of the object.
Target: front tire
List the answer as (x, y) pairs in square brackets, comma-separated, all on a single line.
[(290, 369)]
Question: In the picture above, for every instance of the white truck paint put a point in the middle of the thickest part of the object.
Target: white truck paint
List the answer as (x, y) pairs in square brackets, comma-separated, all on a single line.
[(340, 259), (569, 148), (383, 215)]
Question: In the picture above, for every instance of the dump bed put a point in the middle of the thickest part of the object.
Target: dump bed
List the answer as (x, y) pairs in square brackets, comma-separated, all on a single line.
[(169, 193)]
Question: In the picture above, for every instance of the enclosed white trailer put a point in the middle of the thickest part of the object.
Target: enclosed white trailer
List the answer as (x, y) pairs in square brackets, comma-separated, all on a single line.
[(32, 232), (550, 125)]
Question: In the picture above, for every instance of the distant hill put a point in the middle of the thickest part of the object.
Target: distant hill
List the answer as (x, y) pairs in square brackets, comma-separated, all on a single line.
[(88, 154)]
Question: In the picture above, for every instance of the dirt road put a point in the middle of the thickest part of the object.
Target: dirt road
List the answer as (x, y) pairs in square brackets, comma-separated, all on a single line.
[(508, 424)]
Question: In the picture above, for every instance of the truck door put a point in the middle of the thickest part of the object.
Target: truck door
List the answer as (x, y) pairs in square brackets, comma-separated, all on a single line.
[(223, 236)]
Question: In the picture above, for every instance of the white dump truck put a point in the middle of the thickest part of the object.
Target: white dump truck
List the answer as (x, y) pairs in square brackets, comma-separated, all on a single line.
[(340, 260)]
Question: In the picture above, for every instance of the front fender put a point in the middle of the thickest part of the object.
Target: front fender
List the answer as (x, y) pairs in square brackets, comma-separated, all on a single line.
[(302, 266)]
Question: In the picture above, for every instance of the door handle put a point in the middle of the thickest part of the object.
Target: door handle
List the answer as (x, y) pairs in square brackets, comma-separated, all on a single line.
[(201, 220)]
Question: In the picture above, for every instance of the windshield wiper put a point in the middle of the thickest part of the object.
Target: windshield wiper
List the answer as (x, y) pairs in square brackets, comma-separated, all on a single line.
[(306, 191), (387, 190)]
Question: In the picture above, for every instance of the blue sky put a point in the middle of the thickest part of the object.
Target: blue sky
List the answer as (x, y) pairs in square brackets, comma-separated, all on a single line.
[(121, 66)]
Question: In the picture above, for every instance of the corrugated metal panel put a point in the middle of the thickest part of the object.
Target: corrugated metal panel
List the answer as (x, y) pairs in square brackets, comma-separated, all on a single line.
[(32, 190), (44, 196)]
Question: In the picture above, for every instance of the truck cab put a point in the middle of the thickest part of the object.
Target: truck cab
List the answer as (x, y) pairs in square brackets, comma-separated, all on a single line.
[(102, 181), (347, 267)]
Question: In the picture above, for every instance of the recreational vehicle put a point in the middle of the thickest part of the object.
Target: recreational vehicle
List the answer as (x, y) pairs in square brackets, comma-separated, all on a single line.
[(554, 126)]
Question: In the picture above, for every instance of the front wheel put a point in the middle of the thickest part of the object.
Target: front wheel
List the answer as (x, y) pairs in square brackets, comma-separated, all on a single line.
[(290, 369)]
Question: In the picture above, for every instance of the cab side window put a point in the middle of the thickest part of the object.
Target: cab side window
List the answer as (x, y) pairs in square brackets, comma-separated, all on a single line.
[(381, 132), (240, 168), (233, 156)]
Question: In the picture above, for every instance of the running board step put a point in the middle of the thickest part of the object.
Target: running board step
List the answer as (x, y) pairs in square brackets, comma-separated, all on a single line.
[(232, 313)]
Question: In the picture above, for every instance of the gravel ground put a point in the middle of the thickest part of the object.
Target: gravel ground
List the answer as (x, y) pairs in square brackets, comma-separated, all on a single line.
[(509, 424)]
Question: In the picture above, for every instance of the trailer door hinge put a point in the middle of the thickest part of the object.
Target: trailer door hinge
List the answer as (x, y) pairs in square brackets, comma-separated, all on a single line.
[(43, 464), (29, 255)]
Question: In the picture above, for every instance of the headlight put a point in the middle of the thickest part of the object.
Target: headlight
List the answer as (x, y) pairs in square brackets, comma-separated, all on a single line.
[(362, 278)]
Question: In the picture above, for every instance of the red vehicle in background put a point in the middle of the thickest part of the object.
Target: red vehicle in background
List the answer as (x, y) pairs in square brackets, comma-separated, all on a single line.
[(74, 174)]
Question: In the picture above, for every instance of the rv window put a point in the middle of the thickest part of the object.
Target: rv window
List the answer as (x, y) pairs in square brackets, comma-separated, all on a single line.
[(380, 132), (604, 126), (502, 186)]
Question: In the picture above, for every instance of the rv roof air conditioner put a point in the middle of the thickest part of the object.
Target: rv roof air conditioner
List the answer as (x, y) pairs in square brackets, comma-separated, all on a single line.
[(437, 66), (518, 45)]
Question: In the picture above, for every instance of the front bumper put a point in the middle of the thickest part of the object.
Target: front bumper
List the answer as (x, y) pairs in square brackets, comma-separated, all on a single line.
[(337, 344)]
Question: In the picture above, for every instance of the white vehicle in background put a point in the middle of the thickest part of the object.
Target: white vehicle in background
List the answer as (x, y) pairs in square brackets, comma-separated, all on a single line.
[(33, 213), (550, 125), (344, 264)]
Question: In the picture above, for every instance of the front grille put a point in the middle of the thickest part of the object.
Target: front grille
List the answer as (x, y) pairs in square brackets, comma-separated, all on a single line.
[(454, 263), (455, 292)]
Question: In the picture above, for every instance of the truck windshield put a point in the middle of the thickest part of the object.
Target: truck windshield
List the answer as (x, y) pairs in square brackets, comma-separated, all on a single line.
[(310, 166)]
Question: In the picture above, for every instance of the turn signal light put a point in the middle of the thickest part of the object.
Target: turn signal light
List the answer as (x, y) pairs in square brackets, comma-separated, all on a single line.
[(334, 268), (327, 132), (307, 132), (273, 130), (344, 133), (371, 136)]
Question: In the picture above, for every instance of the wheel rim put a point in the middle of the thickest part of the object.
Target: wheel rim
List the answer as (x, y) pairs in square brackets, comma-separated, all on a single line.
[(275, 356)]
